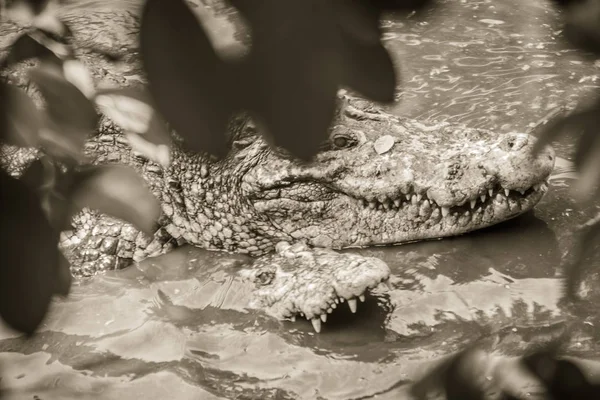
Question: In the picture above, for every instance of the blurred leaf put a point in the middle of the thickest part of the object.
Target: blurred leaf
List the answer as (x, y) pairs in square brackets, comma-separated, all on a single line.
[(295, 72), (118, 191), (134, 111), (53, 188), (23, 120), (26, 47), (368, 67), (76, 73), (29, 257), (67, 106), (187, 80), (71, 117), (582, 123), (160, 154), (575, 269), (461, 376), (582, 24), (36, 6), (562, 378)]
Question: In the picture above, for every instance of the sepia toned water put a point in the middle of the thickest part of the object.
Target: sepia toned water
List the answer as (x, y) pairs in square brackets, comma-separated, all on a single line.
[(499, 65)]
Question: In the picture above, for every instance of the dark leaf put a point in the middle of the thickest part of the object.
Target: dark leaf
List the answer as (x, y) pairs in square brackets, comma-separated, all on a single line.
[(187, 79), (53, 188), (576, 267), (26, 47), (461, 376), (296, 73), (563, 379), (401, 5), (67, 106), (369, 70), (29, 257), (118, 191), (583, 123), (23, 120), (133, 110), (36, 6), (582, 26)]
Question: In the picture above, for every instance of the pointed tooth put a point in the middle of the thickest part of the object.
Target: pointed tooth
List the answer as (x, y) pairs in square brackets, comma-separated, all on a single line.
[(482, 197), (302, 314), (386, 205), (333, 305), (324, 317), (397, 202), (316, 323), (408, 197), (506, 192), (362, 298), (413, 199), (329, 311), (445, 211), (293, 318), (352, 304), (337, 301), (490, 192), (372, 205), (426, 202), (342, 299), (473, 202), (419, 197), (522, 191), (544, 187)]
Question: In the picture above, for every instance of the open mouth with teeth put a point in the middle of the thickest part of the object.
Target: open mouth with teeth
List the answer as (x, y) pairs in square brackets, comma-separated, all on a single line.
[(312, 283), (482, 201)]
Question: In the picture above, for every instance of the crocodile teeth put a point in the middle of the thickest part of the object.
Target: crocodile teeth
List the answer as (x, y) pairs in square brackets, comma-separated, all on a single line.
[(352, 304), (337, 301), (482, 198), (522, 191), (341, 299), (445, 211), (333, 304), (316, 323), (413, 199), (407, 197), (324, 317), (386, 205), (506, 192), (419, 197), (293, 318), (543, 187), (490, 192), (362, 298), (329, 310), (372, 205), (397, 202), (473, 202)]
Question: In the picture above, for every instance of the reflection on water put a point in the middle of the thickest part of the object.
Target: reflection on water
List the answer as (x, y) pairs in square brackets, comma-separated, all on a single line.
[(176, 327)]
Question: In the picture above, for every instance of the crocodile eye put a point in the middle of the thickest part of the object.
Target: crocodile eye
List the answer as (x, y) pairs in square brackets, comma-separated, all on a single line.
[(265, 277), (342, 142)]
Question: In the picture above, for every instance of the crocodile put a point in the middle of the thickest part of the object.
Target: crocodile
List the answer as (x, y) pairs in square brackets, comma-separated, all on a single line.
[(379, 179)]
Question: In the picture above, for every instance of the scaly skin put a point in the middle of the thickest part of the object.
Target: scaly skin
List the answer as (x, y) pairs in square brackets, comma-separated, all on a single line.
[(290, 281)]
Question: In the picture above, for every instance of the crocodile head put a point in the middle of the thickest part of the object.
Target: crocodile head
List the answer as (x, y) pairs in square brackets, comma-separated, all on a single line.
[(382, 179), (299, 280)]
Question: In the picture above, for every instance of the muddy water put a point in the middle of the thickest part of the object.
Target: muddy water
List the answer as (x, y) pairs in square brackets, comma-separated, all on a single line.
[(498, 65)]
